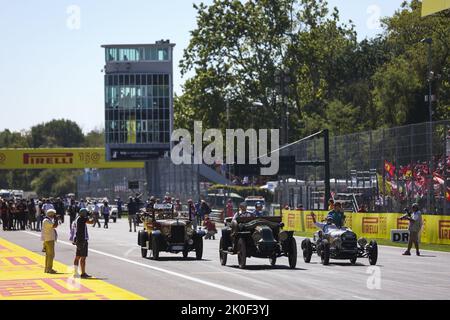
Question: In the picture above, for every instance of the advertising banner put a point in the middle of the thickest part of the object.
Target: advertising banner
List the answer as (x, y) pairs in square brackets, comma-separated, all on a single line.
[(433, 6), (435, 229), (60, 158)]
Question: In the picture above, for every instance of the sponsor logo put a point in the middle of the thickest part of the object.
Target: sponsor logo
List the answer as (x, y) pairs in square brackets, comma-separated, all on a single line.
[(309, 222), (2, 158), (370, 225), (444, 229), (291, 220), (47, 158), (402, 224)]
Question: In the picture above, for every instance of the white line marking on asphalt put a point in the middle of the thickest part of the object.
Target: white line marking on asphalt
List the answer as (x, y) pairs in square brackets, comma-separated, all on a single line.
[(206, 283), (360, 298), (129, 251)]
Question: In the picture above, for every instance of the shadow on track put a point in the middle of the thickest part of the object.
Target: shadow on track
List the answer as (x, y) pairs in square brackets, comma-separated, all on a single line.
[(176, 259), (267, 267)]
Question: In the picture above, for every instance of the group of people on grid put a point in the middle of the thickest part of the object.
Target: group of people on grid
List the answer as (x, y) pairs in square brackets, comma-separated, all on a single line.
[(22, 214)]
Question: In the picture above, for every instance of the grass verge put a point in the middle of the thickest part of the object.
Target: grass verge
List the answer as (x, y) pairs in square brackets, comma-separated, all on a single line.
[(385, 242)]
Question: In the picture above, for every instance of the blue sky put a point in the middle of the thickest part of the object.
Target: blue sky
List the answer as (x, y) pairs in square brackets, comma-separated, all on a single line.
[(50, 66)]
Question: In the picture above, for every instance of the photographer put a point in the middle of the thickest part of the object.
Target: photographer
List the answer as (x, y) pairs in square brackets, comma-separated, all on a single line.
[(415, 226), (79, 237)]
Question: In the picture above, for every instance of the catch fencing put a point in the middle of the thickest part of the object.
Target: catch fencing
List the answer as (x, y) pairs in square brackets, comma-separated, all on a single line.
[(158, 178), (382, 170)]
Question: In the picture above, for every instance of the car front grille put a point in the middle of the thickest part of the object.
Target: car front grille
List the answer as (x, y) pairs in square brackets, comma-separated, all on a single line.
[(177, 234), (349, 244)]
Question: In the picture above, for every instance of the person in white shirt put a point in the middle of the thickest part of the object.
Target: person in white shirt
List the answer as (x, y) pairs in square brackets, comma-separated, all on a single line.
[(47, 206), (415, 226), (49, 237), (325, 227)]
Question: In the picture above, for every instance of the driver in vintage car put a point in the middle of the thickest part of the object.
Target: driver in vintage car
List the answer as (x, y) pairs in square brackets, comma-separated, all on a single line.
[(258, 209), (337, 215), (148, 211), (243, 212), (324, 226)]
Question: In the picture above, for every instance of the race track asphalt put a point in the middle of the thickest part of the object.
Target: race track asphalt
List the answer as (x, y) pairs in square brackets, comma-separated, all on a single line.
[(116, 258)]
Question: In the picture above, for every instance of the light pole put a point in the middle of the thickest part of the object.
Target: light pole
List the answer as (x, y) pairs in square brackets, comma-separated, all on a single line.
[(287, 127), (430, 75), (255, 104)]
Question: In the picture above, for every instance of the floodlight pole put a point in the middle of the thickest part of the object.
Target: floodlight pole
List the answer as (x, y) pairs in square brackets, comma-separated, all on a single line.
[(326, 141), (430, 201)]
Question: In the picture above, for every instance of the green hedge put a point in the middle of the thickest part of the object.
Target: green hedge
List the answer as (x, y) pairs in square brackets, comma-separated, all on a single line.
[(244, 191)]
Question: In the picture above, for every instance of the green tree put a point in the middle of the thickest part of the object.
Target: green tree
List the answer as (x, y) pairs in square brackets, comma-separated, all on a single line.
[(401, 84), (52, 182), (95, 139), (56, 133)]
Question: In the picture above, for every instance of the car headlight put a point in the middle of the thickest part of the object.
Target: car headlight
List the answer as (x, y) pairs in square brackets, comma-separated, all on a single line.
[(283, 236), (362, 242)]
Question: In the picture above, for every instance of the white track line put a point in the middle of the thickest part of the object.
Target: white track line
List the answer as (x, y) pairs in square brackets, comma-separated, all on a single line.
[(206, 283)]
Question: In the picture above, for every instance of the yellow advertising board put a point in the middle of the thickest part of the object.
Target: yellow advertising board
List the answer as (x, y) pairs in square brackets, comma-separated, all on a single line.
[(436, 229), (60, 158), (433, 6)]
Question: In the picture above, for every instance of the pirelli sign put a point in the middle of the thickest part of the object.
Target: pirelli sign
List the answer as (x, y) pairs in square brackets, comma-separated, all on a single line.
[(69, 158)]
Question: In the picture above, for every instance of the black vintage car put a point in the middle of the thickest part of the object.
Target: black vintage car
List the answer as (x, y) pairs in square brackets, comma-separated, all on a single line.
[(339, 243), (260, 237), (165, 231)]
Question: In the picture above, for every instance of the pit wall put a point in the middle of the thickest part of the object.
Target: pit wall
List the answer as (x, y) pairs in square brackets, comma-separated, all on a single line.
[(435, 230)]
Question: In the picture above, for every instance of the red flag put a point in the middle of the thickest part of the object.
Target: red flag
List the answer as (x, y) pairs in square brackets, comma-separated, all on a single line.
[(389, 168)]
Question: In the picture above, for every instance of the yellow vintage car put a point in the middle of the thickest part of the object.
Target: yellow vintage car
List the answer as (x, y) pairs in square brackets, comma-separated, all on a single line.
[(166, 231)]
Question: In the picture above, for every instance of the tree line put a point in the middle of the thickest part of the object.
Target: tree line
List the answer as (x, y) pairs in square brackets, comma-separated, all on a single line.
[(308, 69)]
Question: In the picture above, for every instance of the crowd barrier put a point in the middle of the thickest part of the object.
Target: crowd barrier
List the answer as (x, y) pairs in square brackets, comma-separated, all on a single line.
[(435, 230)]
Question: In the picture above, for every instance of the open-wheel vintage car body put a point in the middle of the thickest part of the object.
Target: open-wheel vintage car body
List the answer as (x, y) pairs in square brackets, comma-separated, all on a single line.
[(341, 244), (164, 231), (260, 237)]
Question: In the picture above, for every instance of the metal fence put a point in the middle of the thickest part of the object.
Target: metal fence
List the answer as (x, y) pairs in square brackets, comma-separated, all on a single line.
[(160, 177), (385, 170)]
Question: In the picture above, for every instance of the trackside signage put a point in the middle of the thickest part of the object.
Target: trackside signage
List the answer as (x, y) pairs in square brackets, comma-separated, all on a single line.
[(435, 229), (64, 158)]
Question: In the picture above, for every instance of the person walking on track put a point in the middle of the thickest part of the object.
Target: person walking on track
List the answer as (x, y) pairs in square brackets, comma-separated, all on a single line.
[(79, 237)]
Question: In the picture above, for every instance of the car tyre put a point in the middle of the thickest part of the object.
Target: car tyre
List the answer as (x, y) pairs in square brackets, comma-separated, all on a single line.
[(185, 252), (155, 249), (223, 255), (292, 254), (373, 252), (273, 260), (199, 249), (325, 253), (307, 250), (242, 253)]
